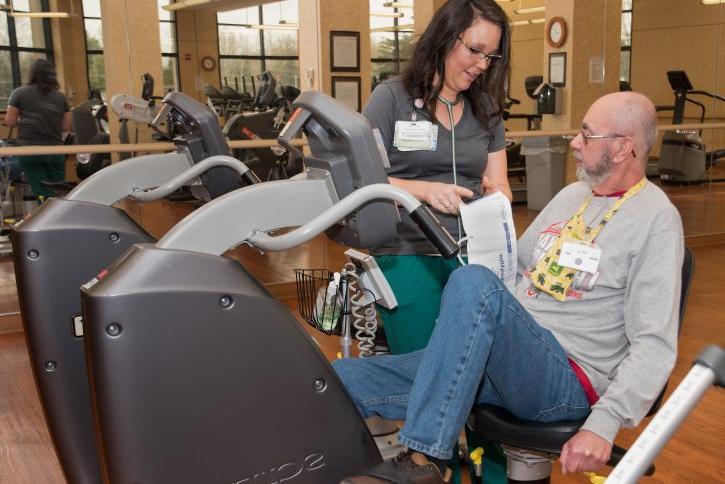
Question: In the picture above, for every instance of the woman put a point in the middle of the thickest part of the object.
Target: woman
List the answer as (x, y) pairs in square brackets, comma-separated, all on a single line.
[(455, 82), (42, 115), (457, 72)]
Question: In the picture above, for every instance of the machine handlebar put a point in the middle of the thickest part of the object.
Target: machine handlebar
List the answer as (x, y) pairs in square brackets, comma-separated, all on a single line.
[(435, 232)]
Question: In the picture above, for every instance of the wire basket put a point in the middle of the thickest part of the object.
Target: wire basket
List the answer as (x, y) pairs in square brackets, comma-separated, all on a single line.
[(321, 305)]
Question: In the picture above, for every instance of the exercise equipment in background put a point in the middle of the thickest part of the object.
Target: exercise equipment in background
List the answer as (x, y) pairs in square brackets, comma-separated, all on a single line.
[(683, 157)]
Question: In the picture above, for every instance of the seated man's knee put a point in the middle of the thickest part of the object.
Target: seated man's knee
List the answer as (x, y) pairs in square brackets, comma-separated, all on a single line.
[(472, 276)]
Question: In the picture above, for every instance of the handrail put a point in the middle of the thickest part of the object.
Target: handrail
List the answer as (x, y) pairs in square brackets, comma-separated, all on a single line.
[(125, 148), (264, 143)]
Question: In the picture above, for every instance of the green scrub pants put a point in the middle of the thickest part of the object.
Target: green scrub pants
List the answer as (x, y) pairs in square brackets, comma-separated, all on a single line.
[(39, 168), (417, 282)]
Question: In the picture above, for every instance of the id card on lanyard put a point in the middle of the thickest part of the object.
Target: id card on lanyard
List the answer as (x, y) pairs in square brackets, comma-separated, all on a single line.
[(574, 250), (415, 136)]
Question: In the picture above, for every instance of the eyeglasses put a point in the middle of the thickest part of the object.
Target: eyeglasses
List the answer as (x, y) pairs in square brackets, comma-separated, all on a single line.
[(587, 137), (479, 54)]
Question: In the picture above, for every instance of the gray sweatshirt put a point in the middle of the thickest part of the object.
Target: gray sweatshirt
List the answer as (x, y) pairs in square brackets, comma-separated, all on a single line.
[(621, 325)]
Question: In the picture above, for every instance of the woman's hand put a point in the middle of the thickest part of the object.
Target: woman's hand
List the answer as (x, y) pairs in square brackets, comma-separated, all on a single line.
[(487, 188), (495, 177), (443, 197)]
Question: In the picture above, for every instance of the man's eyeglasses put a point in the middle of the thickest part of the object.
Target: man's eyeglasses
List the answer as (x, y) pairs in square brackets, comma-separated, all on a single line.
[(587, 137), (479, 54)]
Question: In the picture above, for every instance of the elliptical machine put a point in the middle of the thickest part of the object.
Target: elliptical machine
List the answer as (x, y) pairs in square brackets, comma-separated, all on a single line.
[(683, 158), (90, 127), (67, 241), (198, 373), (268, 163), (141, 111)]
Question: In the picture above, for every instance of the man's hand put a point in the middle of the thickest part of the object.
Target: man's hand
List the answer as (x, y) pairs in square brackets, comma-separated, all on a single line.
[(586, 451)]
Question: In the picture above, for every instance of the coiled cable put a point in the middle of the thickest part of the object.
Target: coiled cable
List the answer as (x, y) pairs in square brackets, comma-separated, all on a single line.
[(364, 316)]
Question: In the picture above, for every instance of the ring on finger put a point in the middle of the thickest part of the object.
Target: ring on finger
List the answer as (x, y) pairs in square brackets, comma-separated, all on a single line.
[(448, 204)]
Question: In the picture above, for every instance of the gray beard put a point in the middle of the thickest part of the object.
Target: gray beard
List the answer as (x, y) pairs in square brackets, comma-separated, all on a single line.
[(597, 174)]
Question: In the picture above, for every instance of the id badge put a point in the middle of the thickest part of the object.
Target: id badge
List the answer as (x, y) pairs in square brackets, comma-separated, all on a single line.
[(415, 135), (582, 257)]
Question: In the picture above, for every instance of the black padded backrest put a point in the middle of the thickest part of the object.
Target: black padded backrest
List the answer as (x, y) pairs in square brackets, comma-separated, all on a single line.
[(531, 83), (266, 92), (688, 269), (85, 125), (212, 92), (147, 88)]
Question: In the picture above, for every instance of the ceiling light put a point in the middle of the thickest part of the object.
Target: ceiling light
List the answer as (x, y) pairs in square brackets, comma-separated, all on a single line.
[(533, 21), (712, 2), (12, 13), (273, 27), (397, 5), (396, 28), (524, 11), (179, 4), (386, 14), (39, 14)]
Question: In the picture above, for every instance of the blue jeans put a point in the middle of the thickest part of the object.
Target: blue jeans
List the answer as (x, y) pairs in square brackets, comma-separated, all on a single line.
[(485, 348)]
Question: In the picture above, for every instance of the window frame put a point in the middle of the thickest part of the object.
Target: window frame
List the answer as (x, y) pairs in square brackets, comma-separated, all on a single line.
[(15, 49), (175, 54), (627, 48), (90, 52), (396, 60), (262, 57)]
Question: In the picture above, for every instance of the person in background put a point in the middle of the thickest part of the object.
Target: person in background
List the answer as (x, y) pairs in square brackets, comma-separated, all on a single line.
[(42, 114)]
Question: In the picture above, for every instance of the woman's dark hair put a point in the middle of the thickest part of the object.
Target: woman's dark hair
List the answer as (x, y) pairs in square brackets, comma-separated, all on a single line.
[(42, 73), (439, 38)]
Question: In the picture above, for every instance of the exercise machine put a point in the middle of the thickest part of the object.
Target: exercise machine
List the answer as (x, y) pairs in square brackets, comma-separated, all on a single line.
[(142, 111), (683, 157), (90, 127), (516, 160), (67, 241), (237, 101), (198, 373), (273, 163)]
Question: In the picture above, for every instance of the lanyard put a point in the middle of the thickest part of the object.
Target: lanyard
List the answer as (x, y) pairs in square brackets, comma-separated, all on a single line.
[(449, 105), (574, 227), (550, 277)]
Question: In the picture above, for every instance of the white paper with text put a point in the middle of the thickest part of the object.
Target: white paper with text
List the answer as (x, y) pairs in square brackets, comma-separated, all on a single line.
[(492, 237)]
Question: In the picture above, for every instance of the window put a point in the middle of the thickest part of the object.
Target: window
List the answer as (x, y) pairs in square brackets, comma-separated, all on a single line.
[(391, 39), (94, 45), (256, 39), (22, 40), (169, 50), (625, 56)]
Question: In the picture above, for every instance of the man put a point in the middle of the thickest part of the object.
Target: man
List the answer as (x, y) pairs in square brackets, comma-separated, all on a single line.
[(590, 329)]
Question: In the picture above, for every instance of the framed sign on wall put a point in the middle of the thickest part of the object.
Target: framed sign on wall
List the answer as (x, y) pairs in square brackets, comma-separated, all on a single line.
[(557, 69), (347, 91), (344, 51)]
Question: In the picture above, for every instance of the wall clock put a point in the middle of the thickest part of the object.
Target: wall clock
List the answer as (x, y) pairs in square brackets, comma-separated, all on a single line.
[(208, 63), (556, 32)]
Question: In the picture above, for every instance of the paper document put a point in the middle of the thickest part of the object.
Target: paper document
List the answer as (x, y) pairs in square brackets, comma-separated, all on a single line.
[(492, 237)]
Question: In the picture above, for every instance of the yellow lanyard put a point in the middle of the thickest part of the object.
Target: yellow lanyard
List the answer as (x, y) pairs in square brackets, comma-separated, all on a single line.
[(554, 279)]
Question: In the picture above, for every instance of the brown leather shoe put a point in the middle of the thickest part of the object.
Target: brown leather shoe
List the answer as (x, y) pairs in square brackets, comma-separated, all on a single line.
[(408, 467)]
